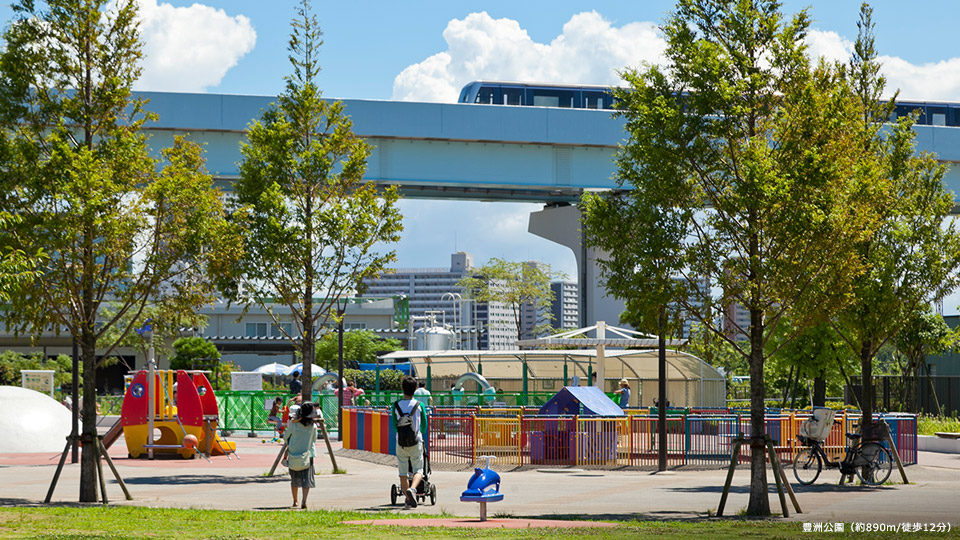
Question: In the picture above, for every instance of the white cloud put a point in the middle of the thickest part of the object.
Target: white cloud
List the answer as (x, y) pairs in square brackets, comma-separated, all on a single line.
[(589, 50), (830, 45), (928, 82), (189, 49)]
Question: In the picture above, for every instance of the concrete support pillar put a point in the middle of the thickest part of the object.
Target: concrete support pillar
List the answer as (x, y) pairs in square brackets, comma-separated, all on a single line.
[(561, 224)]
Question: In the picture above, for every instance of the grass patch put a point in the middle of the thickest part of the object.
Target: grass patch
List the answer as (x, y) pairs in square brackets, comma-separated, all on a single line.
[(131, 522), (929, 425)]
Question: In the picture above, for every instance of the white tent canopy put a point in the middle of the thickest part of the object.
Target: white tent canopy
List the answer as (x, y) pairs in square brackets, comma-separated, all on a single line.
[(273, 369), (691, 381)]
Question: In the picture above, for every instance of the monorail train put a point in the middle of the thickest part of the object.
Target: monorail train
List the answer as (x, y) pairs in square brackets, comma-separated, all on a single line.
[(584, 96), (579, 96)]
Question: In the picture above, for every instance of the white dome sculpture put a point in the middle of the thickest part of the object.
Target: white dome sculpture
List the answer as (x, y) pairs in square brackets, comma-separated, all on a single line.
[(31, 422)]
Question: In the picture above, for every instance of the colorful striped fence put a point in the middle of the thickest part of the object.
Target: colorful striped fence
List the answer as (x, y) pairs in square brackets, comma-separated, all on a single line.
[(370, 430), (459, 436)]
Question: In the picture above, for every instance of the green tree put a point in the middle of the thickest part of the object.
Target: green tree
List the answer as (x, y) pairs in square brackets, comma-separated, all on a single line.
[(16, 267), (313, 228), (515, 285), (191, 351), (740, 159), (925, 334), (359, 346), (817, 352), (12, 363), (912, 256), (116, 224)]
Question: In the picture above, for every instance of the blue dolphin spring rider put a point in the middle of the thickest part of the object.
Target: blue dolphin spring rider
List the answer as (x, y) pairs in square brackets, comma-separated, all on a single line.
[(477, 487)]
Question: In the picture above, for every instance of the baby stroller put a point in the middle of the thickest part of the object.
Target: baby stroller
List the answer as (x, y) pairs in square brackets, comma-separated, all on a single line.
[(424, 490)]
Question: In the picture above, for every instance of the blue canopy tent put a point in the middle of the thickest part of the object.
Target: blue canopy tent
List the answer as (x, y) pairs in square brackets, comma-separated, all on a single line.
[(568, 441), (581, 400)]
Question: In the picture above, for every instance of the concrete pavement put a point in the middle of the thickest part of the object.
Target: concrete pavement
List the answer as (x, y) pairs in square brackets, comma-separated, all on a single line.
[(241, 484)]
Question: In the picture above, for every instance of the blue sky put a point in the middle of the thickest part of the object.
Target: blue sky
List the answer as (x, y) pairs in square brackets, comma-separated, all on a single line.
[(426, 51)]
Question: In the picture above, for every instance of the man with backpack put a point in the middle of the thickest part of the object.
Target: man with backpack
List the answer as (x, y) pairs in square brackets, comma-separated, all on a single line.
[(409, 418)]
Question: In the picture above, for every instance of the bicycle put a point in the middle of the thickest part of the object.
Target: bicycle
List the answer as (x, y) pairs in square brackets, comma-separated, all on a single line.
[(870, 461)]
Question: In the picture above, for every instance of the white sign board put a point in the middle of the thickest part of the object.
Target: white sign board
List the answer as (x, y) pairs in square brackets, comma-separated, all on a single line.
[(40, 380), (246, 381)]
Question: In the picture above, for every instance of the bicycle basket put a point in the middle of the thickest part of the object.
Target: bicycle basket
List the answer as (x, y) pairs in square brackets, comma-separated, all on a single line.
[(818, 426)]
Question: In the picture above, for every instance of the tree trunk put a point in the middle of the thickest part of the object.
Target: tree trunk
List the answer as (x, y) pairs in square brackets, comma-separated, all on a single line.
[(933, 391), (89, 455), (307, 354), (819, 390), (866, 384), (759, 504)]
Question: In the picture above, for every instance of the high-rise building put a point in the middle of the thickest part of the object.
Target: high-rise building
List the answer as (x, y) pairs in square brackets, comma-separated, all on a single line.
[(434, 291), (566, 305)]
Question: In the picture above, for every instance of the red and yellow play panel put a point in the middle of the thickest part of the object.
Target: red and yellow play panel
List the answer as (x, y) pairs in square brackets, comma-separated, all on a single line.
[(495, 523)]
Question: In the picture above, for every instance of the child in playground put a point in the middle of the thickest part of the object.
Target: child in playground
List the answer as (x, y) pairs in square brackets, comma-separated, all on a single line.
[(350, 394), (409, 456), (276, 414), (624, 393), (301, 437)]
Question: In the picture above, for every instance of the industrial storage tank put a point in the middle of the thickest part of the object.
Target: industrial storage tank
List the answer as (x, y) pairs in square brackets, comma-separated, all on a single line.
[(432, 338)]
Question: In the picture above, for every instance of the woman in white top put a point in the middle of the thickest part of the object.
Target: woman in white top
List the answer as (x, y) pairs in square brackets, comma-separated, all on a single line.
[(301, 437)]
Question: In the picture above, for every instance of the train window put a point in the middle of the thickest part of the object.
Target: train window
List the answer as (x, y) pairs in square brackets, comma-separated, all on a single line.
[(549, 97), (937, 116), (905, 109), (512, 96), (953, 116), (593, 100), (464, 94), (488, 95)]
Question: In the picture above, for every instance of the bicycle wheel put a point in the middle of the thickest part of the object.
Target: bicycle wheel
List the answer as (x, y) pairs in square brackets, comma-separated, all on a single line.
[(807, 466), (878, 464)]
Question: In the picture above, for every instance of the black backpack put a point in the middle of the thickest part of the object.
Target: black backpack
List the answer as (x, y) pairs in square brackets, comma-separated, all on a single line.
[(406, 435)]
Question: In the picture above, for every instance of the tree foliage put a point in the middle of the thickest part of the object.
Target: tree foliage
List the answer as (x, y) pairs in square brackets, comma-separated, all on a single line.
[(313, 228), (12, 363), (193, 352), (912, 257), (390, 379), (742, 167), (924, 334), (816, 352), (515, 285), (116, 224), (17, 268), (359, 346)]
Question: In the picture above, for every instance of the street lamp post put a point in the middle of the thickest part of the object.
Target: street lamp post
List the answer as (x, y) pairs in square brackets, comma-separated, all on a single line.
[(662, 387)]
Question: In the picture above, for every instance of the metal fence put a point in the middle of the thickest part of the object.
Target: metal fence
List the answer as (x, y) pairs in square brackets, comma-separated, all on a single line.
[(699, 440), (519, 436), (913, 394), (248, 411)]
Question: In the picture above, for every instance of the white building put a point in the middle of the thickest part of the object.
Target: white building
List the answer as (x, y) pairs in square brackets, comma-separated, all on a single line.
[(434, 291), (566, 305)]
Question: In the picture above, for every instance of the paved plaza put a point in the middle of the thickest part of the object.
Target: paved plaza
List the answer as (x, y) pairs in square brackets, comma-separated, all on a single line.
[(241, 484)]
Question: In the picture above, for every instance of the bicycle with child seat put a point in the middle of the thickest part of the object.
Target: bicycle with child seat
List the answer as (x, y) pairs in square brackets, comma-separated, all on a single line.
[(869, 460)]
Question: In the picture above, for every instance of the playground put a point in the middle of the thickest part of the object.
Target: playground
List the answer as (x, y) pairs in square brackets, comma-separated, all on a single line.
[(581, 466), (549, 492)]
